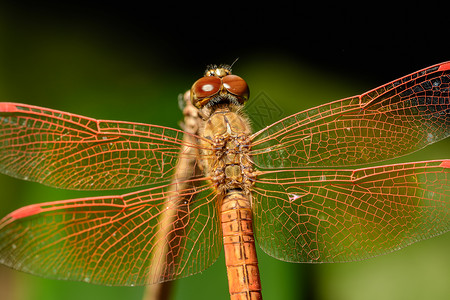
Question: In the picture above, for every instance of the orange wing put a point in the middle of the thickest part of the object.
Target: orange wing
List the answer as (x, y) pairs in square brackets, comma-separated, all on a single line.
[(390, 121), (144, 237), (69, 151)]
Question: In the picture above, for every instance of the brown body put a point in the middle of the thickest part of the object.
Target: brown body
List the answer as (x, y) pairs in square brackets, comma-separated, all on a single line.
[(230, 168), (239, 244)]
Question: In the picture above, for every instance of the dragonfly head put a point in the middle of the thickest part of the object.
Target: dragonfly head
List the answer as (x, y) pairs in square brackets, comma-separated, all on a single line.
[(219, 86)]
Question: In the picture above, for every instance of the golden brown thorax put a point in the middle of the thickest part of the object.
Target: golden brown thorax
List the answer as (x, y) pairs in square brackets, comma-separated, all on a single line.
[(228, 160)]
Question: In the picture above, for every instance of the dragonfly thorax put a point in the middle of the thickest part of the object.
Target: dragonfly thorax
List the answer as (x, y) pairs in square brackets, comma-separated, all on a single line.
[(228, 162)]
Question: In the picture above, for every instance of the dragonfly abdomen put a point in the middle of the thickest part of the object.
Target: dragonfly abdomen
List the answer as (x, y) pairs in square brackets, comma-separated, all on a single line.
[(239, 244)]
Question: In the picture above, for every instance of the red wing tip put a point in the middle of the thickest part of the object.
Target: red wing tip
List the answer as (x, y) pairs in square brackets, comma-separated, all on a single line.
[(445, 66), (445, 164), (26, 211), (7, 107)]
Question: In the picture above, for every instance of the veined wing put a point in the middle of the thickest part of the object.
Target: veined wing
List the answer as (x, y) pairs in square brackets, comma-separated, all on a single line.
[(346, 215), (395, 119), (139, 238), (65, 150)]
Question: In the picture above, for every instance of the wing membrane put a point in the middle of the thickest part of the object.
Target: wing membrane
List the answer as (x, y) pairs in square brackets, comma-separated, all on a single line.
[(392, 120), (70, 151), (139, 238), (346, 215)]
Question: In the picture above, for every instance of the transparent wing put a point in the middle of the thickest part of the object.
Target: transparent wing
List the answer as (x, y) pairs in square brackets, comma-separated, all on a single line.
[(346, 215), (70, 151), (395, 119), (139, 238)]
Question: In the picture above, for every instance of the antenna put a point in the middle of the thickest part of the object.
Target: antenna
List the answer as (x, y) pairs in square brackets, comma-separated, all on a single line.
[(234, 62)]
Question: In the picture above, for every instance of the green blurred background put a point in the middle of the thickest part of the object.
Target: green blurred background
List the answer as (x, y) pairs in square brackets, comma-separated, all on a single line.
[(130, 60)]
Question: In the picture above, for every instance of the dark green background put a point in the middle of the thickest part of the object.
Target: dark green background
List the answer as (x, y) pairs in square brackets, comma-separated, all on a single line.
[(129, 61)]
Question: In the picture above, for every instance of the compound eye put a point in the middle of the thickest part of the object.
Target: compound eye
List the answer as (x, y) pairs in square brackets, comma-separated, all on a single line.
[(206, 87), (236, 86)]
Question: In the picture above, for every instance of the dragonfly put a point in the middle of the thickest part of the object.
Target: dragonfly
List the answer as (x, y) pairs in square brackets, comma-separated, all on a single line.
[(297, 187)]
